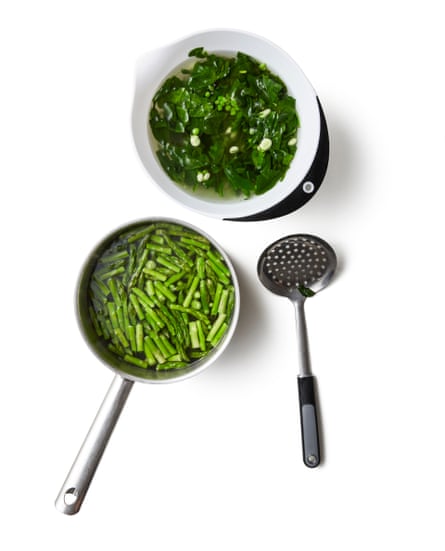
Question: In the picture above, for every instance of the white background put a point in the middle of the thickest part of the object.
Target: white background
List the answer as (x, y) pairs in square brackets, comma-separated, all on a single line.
[(214, 463)]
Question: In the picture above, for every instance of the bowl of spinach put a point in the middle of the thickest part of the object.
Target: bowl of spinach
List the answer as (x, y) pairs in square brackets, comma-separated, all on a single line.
[(227, 124)]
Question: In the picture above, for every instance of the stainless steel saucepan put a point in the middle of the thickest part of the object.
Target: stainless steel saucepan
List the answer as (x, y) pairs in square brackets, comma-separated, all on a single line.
[(74, 489)]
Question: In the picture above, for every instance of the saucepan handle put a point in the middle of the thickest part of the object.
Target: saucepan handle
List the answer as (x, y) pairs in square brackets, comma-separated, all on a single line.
[(77, 482)]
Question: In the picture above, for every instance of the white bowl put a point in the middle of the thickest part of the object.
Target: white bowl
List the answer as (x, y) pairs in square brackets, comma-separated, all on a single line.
[(287, 195)]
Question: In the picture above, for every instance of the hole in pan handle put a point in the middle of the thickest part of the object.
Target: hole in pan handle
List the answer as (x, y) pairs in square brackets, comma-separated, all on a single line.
[(78, 480)]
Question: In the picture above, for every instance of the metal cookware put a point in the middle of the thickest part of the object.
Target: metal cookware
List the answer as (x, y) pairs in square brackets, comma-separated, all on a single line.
[(74, 489), (297, 267)]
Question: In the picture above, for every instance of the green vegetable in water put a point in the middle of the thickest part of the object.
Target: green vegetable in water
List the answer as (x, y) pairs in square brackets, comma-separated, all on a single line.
[(161, 296), (226, 124)]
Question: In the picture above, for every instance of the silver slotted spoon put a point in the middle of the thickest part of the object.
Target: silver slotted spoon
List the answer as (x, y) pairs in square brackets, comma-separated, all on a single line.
[(297, 267)]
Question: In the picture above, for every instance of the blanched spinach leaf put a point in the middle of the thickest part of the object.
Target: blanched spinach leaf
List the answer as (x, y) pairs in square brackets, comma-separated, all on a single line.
[(226, 124)]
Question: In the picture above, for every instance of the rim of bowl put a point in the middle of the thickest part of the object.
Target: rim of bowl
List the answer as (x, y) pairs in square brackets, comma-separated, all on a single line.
[(112, 361), (151, 73)]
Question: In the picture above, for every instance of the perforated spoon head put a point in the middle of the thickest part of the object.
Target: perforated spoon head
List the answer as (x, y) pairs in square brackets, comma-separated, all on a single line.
[(297, 266)]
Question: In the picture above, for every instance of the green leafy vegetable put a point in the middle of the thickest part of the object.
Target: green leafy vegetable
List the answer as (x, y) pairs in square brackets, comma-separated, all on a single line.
[(226, 124), (305, 291), (158, 296)]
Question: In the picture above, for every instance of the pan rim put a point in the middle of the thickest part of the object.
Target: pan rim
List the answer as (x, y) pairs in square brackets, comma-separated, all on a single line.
[(120, 367)]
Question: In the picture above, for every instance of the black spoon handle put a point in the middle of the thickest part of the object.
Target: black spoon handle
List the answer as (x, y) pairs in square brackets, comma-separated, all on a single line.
[(309, 421)]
